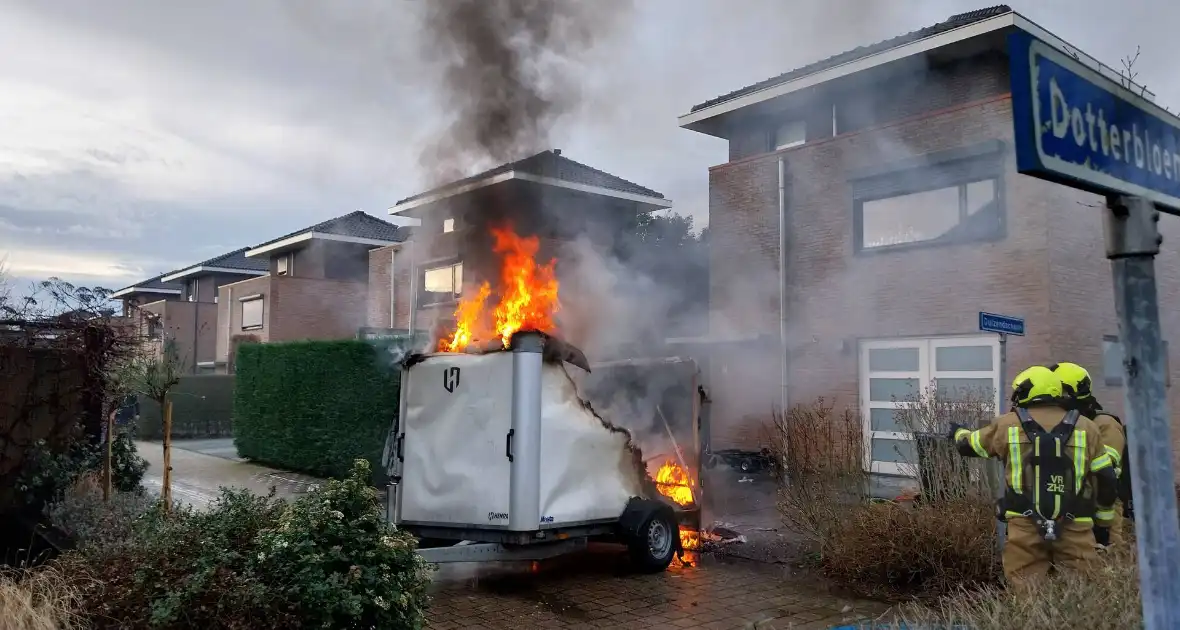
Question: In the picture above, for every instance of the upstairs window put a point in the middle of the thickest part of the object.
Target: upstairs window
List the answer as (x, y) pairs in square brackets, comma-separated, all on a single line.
[(283, 265), (252, 312), (936, 203), (441, 284), (448, 225), (790, 134)]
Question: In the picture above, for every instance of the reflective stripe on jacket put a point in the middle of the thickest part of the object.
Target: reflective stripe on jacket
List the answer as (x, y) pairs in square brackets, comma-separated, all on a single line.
[(1006, 440)]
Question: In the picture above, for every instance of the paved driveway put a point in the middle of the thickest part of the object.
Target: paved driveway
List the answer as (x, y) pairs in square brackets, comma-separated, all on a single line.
[(590, 590), (596, 590)]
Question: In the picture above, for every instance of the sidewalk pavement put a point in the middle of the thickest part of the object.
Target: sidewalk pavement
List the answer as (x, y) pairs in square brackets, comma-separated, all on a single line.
[(196, 476)]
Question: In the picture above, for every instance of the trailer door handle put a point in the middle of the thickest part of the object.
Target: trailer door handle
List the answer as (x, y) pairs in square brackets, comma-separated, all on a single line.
[(508, 445), (401, 442)]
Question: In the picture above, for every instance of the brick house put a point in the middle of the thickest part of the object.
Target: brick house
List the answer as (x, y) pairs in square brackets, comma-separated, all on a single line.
[(546, 194), (313, 284), (891, 171), (184, 308), (147, 291)]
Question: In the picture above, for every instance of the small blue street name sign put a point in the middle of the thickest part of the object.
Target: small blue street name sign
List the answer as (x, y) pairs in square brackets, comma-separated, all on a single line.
[(1079, 128), (990, 322)]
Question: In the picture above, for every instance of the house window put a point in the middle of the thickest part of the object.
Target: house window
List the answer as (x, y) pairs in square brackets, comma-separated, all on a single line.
[(969, 211), (191, 286), (894, 370), (790, 134), (448, 225), (155, 328), (441, 284), (283, 265), (1112, 362), (252, 312)]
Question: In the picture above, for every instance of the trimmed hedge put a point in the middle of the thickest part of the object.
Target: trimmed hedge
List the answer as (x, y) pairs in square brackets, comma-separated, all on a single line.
[(202, 407), (315, 406)]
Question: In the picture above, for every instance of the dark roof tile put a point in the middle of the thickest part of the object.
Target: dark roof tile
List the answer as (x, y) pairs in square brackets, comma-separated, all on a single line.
[(356, 224), (551, 164), (153, 283), (953, 22)]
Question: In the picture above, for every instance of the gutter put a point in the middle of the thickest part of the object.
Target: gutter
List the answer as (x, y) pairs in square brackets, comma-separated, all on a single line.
[(782, 277)]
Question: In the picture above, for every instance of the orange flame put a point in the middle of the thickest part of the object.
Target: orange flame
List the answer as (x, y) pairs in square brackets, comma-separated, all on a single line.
[(528, 296), (674, 483)]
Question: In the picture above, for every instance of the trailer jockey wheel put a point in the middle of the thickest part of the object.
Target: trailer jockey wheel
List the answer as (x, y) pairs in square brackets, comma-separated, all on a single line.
[(655, 542)]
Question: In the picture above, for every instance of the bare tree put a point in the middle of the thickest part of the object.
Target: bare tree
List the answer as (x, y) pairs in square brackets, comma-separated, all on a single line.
[(153, 375)]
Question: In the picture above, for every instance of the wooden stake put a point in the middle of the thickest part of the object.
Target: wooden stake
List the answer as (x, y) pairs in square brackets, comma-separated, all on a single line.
[(107, 469), (166, 490)]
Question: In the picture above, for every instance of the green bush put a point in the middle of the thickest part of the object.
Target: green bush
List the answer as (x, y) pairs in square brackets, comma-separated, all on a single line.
[(92, 523), (314, 406), (326, 560), (46, 474), (202, 408)]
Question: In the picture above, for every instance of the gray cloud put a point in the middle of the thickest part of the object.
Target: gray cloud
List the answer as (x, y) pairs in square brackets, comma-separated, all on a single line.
[(155, 132)]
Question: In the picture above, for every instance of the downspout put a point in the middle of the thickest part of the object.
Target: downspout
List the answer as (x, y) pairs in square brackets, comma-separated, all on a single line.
[(229, 324), (392, 289), (782, 277)]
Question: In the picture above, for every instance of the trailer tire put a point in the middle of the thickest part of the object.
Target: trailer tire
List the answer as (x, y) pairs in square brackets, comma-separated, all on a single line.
[(656, 542)]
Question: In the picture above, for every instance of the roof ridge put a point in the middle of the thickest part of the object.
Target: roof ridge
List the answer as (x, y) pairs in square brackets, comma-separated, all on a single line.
[(955, 21)]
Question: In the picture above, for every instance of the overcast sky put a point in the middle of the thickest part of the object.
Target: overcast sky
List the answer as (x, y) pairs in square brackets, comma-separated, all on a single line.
[(139, 136)]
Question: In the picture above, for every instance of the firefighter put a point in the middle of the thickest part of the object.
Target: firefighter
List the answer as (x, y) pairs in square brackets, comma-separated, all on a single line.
[(1059, 479), (1078, 387)]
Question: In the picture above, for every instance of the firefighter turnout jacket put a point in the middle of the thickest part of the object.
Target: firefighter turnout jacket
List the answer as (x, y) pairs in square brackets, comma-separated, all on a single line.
[(1056, 467)]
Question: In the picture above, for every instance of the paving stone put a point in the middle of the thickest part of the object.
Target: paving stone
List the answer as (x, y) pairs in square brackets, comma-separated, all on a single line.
[(585, 593)]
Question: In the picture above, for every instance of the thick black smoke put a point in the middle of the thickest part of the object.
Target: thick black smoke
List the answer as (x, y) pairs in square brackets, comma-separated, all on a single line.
[(507, 71)]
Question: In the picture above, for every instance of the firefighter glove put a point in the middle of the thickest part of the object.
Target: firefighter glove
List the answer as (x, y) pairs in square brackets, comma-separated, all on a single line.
[(955, 428)]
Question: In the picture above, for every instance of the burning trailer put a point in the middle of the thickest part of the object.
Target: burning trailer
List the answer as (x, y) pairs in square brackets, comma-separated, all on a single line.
[(497, 454), (498, 451)]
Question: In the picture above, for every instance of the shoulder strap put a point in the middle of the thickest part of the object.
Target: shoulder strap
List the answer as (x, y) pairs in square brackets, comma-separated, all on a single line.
[(1065, 428)]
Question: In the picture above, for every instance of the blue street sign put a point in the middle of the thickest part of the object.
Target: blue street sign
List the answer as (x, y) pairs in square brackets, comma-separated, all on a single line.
[(990, 322), (1079, 128)]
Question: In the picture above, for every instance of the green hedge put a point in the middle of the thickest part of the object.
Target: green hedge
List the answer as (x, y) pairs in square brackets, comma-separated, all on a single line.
[(315, 406), (202, 407)]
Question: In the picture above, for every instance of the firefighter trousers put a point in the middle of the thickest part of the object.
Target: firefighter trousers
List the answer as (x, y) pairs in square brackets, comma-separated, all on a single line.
[(1028, 557)]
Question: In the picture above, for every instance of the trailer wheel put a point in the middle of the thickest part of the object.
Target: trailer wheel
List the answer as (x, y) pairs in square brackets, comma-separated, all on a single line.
[(656, 542)]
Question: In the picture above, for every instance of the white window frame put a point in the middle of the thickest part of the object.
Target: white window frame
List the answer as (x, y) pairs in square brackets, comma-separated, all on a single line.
[(284, 265), (448, 225), (798, 126), (456, 282), (261, 315), (926, 375)]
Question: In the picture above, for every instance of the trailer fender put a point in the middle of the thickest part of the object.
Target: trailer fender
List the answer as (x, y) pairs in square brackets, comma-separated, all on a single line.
[(637, 513)]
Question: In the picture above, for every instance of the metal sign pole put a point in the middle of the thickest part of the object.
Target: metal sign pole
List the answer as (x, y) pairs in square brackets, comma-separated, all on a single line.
[(996, 467), (1132, 242)]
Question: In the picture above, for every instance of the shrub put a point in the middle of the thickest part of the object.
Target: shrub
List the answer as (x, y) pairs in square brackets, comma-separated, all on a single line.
[(1104, 597), (314, 406), (39, 599), (89, 521), (891, 549), (47, 474), (928, 548), (824, 480), (326, 560), (943, 474)]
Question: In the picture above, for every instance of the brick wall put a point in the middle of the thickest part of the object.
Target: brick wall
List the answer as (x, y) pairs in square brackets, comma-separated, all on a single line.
[(312, 308), (1083, 294), (229, 312), (1050, 268), (378, 301)]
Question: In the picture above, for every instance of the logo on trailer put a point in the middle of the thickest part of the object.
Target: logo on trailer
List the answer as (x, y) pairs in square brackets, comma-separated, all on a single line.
[(451, 379), (546, 519), (497, 516)]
